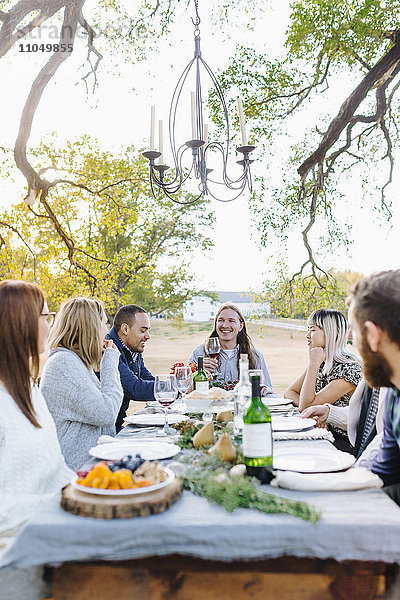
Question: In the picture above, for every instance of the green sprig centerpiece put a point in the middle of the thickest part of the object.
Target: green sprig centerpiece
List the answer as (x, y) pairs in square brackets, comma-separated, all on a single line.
[(209, 476), (237, 491)]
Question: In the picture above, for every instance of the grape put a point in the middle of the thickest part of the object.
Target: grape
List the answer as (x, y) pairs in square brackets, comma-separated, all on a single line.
[(132, 465)]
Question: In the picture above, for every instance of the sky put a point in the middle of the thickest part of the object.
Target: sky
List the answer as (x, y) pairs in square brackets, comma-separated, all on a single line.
[(119, 115)]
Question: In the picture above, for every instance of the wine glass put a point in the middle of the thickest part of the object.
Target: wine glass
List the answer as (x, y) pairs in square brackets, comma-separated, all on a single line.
[(184, 380), (165, 391), (213, 348)]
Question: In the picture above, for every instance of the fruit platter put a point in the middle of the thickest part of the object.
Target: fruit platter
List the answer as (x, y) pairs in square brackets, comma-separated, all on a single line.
[(129, 475), (192, 365)]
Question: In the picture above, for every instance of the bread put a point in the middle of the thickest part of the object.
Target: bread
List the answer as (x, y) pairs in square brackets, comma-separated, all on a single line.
[(217, 393), (197, 396), (213, 394)]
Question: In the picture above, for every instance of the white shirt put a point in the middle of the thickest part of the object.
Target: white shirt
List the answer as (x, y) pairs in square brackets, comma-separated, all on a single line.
[(32, 468)]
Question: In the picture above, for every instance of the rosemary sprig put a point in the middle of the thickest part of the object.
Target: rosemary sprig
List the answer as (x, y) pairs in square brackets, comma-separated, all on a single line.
[(207, 476), (237, 491)]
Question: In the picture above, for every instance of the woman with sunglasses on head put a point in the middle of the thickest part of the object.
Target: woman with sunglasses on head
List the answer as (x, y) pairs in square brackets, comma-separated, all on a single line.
[(83, 407), (332, 373), (32, 468), (230, 329)]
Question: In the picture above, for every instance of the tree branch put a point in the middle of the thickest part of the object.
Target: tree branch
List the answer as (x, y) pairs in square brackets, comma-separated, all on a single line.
[(384, 68), (67, 241), (14, 230), (304, 92), (91, 48), (17, 14), (67, 35)]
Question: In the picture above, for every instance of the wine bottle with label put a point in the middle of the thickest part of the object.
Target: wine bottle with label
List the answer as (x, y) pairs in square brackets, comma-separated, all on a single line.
[(200, 379), (257, 436), (241, 394)]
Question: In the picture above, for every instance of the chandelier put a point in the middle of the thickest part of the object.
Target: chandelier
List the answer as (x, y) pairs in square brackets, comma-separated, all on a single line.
[(190, 158)]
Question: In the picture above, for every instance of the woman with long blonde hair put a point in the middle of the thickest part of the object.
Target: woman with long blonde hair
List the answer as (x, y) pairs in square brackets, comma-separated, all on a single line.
[(83, 407), (333, 371)]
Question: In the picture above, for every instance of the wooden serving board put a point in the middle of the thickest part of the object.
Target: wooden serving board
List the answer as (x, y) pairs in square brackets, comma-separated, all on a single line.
[(122, 507)]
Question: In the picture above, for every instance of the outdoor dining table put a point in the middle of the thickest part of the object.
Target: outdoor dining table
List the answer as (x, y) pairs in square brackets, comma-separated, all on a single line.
[(198, 550)]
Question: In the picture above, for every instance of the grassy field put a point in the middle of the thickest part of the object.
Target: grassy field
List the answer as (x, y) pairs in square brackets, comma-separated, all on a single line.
[(285, 351)]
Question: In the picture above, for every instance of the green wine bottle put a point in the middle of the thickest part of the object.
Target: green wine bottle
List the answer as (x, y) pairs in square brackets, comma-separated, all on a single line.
[(200, 379), (257, 436)]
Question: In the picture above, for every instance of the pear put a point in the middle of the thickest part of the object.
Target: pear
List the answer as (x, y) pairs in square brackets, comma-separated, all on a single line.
[(204, 436), (224, 448), (224, 416)]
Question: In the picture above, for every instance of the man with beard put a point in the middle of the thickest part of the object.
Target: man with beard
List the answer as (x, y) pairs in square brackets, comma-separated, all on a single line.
[(374, 317), (130, 334)]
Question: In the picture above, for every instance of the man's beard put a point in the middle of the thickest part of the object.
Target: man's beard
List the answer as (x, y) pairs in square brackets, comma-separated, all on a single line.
[(377, 370)]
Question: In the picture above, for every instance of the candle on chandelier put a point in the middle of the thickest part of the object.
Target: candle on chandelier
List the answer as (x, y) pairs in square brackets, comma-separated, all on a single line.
[(205, 136), (193, 112), (152, 126), (242, 122), (160, 141)]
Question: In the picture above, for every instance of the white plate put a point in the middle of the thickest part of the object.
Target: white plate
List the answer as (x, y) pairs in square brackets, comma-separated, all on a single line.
[(149, 488), (291, 423), (307, 462), (274, 401), (157, 419), (177, 407), (148, 450), (214, 409)]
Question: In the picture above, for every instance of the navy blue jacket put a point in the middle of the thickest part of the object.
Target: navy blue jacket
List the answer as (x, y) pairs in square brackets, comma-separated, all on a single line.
[(136, 380), (386, 464)]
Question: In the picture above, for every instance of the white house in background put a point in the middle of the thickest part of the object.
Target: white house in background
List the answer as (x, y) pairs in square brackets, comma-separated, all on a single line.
[(204, 309)]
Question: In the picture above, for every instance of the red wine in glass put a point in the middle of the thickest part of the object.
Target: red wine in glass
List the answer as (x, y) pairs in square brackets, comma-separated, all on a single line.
[(213, 349), (165, 401)]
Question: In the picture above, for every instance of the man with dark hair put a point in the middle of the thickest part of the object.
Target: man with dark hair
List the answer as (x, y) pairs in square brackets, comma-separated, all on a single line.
[(130, 334), (374, 317)]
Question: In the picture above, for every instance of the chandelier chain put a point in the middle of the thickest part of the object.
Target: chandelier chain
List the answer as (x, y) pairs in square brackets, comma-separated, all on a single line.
[(196, 21), (196, 151)]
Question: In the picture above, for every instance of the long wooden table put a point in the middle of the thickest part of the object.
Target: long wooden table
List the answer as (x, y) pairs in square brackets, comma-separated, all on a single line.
[(197, 550), (183, 578)]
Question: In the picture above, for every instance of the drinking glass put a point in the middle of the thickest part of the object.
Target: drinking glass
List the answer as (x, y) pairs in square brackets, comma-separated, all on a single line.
[(213, 348), (165, 391), (184, 380), (208, 415)]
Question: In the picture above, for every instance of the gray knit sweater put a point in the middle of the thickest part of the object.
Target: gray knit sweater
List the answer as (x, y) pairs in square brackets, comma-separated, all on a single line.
[(83, 408)]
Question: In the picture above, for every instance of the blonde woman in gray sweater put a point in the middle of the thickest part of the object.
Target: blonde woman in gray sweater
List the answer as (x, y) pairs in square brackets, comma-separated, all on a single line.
[(82, 406)]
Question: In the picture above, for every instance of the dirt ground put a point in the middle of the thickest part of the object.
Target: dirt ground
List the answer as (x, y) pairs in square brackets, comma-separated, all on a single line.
[(285, 351)]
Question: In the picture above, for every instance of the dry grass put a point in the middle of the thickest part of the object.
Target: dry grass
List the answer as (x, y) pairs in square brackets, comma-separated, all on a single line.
[(285, 351)]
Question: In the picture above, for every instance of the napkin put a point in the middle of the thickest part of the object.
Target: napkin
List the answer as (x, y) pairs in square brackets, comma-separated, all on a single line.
[(134, 407), (355, 478), (106, 439), (317, 433), (148, 410)]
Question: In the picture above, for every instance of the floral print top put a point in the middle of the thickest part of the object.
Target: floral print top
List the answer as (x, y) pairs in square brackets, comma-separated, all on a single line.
[(349, 371)]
